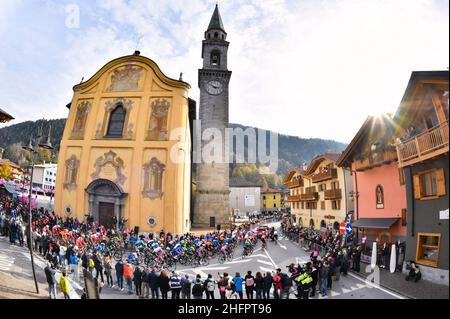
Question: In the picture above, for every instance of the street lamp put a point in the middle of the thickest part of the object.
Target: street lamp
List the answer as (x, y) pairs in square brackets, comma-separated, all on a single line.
[(33, 149)]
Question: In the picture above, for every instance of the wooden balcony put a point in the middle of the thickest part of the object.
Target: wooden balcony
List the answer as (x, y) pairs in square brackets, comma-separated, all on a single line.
[(295, 183), (429, 144), (380, 158), (320, 177), (293, 198), (308, 197), (333, 194)]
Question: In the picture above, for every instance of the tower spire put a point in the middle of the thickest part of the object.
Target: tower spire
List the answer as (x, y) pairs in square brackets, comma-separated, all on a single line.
[(216, 21)]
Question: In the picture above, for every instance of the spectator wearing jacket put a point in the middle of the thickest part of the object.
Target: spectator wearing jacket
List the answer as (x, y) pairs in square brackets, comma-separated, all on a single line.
[(238, 282), (128, 275), (249, 285), (153, 282), (164, 284), (277, 285), (64, 285), (197, 288), (223, 284), (324, 272), (145, 284), (119, 274), (268, 281), (209, 287), (137, 279), (185, 287), (51, 281), (259, 285), (175, 285)]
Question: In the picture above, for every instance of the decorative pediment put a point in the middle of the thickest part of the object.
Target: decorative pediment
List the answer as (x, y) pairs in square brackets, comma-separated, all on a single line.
[(158, 120), (116, 162), (105, 187), (125, 79)]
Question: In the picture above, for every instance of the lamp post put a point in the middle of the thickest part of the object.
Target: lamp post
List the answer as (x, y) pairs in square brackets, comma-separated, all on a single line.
[(33, 149)]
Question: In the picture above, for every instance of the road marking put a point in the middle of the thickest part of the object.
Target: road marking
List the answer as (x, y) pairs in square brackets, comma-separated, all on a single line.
[(345, 290), (213, 268), (377, 286), (258, 255), (6, 263), (282, 246), (264, 262), (273, 263), (266, 269)]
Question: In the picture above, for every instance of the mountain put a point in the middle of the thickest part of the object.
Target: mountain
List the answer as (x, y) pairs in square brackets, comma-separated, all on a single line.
[(292, 151)]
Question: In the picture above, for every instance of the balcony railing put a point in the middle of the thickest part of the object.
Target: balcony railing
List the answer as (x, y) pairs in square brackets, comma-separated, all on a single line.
[(309, 197), (320, 177), (429, 144), (333, 194), (295, 183), (293, 198), (377, 159)]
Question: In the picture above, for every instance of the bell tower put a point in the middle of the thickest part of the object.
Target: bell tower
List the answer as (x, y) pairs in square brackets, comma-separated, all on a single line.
[(212, 206)]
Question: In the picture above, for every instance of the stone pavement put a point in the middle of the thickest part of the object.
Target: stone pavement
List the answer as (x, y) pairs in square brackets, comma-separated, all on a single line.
[(415, 290)]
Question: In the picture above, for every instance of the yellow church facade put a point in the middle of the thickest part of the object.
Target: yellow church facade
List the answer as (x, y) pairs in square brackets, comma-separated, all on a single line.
[(126, 149)]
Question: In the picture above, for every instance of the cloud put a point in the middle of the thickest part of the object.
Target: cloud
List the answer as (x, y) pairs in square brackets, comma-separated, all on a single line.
[(306, 68)]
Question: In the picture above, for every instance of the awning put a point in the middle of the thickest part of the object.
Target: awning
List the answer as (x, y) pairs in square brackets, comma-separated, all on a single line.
[(375, 223)]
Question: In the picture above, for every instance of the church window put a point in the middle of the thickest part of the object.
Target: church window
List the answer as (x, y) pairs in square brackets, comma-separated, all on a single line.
[(216, 35), (116, 122)]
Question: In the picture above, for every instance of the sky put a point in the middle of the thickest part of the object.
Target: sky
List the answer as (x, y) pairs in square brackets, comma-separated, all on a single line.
[(308, 68)]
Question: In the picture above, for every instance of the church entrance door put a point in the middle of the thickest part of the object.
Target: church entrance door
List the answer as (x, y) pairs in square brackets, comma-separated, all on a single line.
[(105, 214)]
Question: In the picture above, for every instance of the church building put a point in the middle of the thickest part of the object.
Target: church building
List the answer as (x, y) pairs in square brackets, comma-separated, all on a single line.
[(120, 154)]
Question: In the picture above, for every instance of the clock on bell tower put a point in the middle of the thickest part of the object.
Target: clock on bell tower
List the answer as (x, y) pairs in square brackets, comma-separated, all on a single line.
[(212, 199)]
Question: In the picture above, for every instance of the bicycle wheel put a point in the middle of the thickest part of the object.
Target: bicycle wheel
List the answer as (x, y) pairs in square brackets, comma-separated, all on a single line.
[(222, 258), (204, 261), (230, 257), (118, 255)]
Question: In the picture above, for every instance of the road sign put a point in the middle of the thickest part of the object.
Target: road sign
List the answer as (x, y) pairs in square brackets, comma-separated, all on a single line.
[(342, 228), (348, 229)]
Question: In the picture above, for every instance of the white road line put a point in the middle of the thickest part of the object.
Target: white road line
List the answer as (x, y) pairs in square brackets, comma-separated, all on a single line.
[(282, 246), (213, 268), (264, 262), (266, 269), (377, 287), (258, 255), (273, 263)]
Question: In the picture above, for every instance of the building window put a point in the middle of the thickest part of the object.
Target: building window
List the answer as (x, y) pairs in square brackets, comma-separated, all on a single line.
[(274, 197), (335, 185), (264, 197), (322, 205), (428, 246), (323, 224), (303, 205), (336, 204), (379, 193), (275, 205), (311, 205), (429, 184), (116, 122), (322, 187)]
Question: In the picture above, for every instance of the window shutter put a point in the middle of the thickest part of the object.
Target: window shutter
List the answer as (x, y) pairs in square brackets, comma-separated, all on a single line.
[(440, 180), (401, 176), (417, 192)]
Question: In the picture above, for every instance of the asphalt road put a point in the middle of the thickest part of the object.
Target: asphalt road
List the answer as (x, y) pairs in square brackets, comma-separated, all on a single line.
[(277, 255)]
